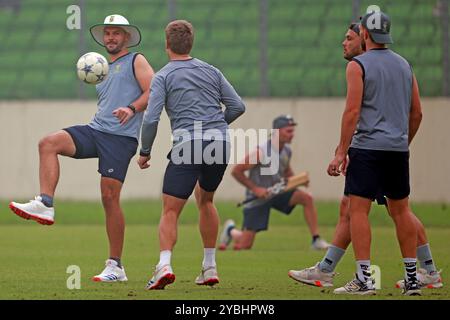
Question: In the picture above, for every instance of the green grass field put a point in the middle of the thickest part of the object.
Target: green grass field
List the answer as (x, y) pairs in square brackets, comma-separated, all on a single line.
[(35, 257)]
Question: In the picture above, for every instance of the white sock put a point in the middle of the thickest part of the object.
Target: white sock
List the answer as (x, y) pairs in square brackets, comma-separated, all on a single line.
[(164, 258), (362, 270), (209, 257)]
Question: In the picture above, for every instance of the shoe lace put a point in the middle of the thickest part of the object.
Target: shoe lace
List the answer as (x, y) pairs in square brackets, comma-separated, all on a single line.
[(109, 268), (157, 270), (313, 269), (354, 284), (35, 202)]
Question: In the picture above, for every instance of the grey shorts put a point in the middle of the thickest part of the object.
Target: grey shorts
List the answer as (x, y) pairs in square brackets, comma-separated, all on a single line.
[(257, 218)]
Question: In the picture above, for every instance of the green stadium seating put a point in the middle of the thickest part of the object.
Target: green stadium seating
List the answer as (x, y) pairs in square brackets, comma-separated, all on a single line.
[(304, 51), (309, 13), (247, 36), (222, 36), (430, 56)]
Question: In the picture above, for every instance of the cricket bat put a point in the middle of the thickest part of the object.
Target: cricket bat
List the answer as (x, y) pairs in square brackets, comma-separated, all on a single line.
[(284, 185)]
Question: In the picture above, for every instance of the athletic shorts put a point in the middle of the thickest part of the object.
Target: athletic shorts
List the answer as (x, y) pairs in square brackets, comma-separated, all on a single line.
[(257, 218), (380, 199), (370, 171), (195, 161), (114, 152)]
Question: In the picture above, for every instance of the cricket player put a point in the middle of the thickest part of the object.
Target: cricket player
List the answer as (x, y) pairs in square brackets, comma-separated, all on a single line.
[(111, 136), (322, 273), (192, 92), (257, 213), (383, 106)]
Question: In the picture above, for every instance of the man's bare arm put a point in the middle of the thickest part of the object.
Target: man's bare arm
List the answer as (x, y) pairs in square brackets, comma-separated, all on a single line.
[(144, 74), (350, 117), (415, 115)]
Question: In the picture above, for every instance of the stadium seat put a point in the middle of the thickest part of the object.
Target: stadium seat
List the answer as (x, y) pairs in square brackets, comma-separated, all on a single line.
[(306, 35), (286, 14), (304, 41), (311, 11), (398, 11), (223, 37), (430, 56), (247, 36)]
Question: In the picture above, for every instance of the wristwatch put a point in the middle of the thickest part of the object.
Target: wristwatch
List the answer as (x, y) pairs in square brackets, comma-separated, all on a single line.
[(133, 108)]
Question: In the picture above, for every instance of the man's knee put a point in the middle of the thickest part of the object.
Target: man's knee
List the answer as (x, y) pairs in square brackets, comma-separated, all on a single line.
[(246, 243), (203, 198), (398, 208), (244, 246), (110, 189), (305, 198), (247, 239), (110, 196), (48, 144), (59, 142)]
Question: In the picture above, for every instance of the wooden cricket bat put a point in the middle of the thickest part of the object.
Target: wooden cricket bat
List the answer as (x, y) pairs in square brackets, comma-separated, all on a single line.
[(295, 181), (283, 186)]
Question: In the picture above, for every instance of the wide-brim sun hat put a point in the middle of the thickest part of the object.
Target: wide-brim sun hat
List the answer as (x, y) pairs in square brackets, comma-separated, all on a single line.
[(116, 20)]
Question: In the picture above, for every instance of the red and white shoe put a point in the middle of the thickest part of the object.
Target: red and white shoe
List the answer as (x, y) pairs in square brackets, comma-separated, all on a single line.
[(161, 278), (34, 210), (313, 276), (425, 280), (208, 277), (225, 237), (112, 273)]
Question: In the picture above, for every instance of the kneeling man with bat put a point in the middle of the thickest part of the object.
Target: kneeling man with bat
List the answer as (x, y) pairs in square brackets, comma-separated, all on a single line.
[(268, 188)]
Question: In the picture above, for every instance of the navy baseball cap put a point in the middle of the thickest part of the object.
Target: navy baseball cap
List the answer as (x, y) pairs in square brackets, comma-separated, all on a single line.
[(379, 26), (354, 26), (283, 121)]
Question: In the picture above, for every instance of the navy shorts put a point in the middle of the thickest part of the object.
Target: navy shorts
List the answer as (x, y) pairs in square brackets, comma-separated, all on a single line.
[(114, 152), (380, 198), (196, 160), (257, 218), (370, 171)]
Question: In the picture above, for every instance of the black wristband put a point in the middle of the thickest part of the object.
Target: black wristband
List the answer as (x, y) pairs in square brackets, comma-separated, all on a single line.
[(144, 154), (133, 108)]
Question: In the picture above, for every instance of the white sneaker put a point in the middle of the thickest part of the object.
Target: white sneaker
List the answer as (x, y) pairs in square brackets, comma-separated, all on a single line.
[(320, 244), (425, 280), (161, 278), (225, 237), (313, 276), (112, 273), (356, 287), (34, 210), (208, 277)]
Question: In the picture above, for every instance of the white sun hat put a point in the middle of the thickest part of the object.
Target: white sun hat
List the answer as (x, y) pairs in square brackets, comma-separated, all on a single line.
[(116, 20)]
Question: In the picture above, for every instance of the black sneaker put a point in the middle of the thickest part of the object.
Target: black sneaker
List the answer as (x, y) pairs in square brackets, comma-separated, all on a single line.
[(412, 288)]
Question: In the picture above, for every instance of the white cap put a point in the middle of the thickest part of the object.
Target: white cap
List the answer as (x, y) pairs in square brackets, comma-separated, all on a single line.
[(116, 20)]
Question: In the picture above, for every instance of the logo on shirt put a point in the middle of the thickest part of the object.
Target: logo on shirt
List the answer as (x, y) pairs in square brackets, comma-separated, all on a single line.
[(110, 170), (117, 68)]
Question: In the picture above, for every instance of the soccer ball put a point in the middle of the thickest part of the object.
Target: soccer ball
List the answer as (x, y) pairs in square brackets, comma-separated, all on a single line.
[(92, 68)]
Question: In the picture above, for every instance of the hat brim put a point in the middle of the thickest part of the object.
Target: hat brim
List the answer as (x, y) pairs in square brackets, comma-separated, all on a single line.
[(293, 124), (381, 38), (135, 34)]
